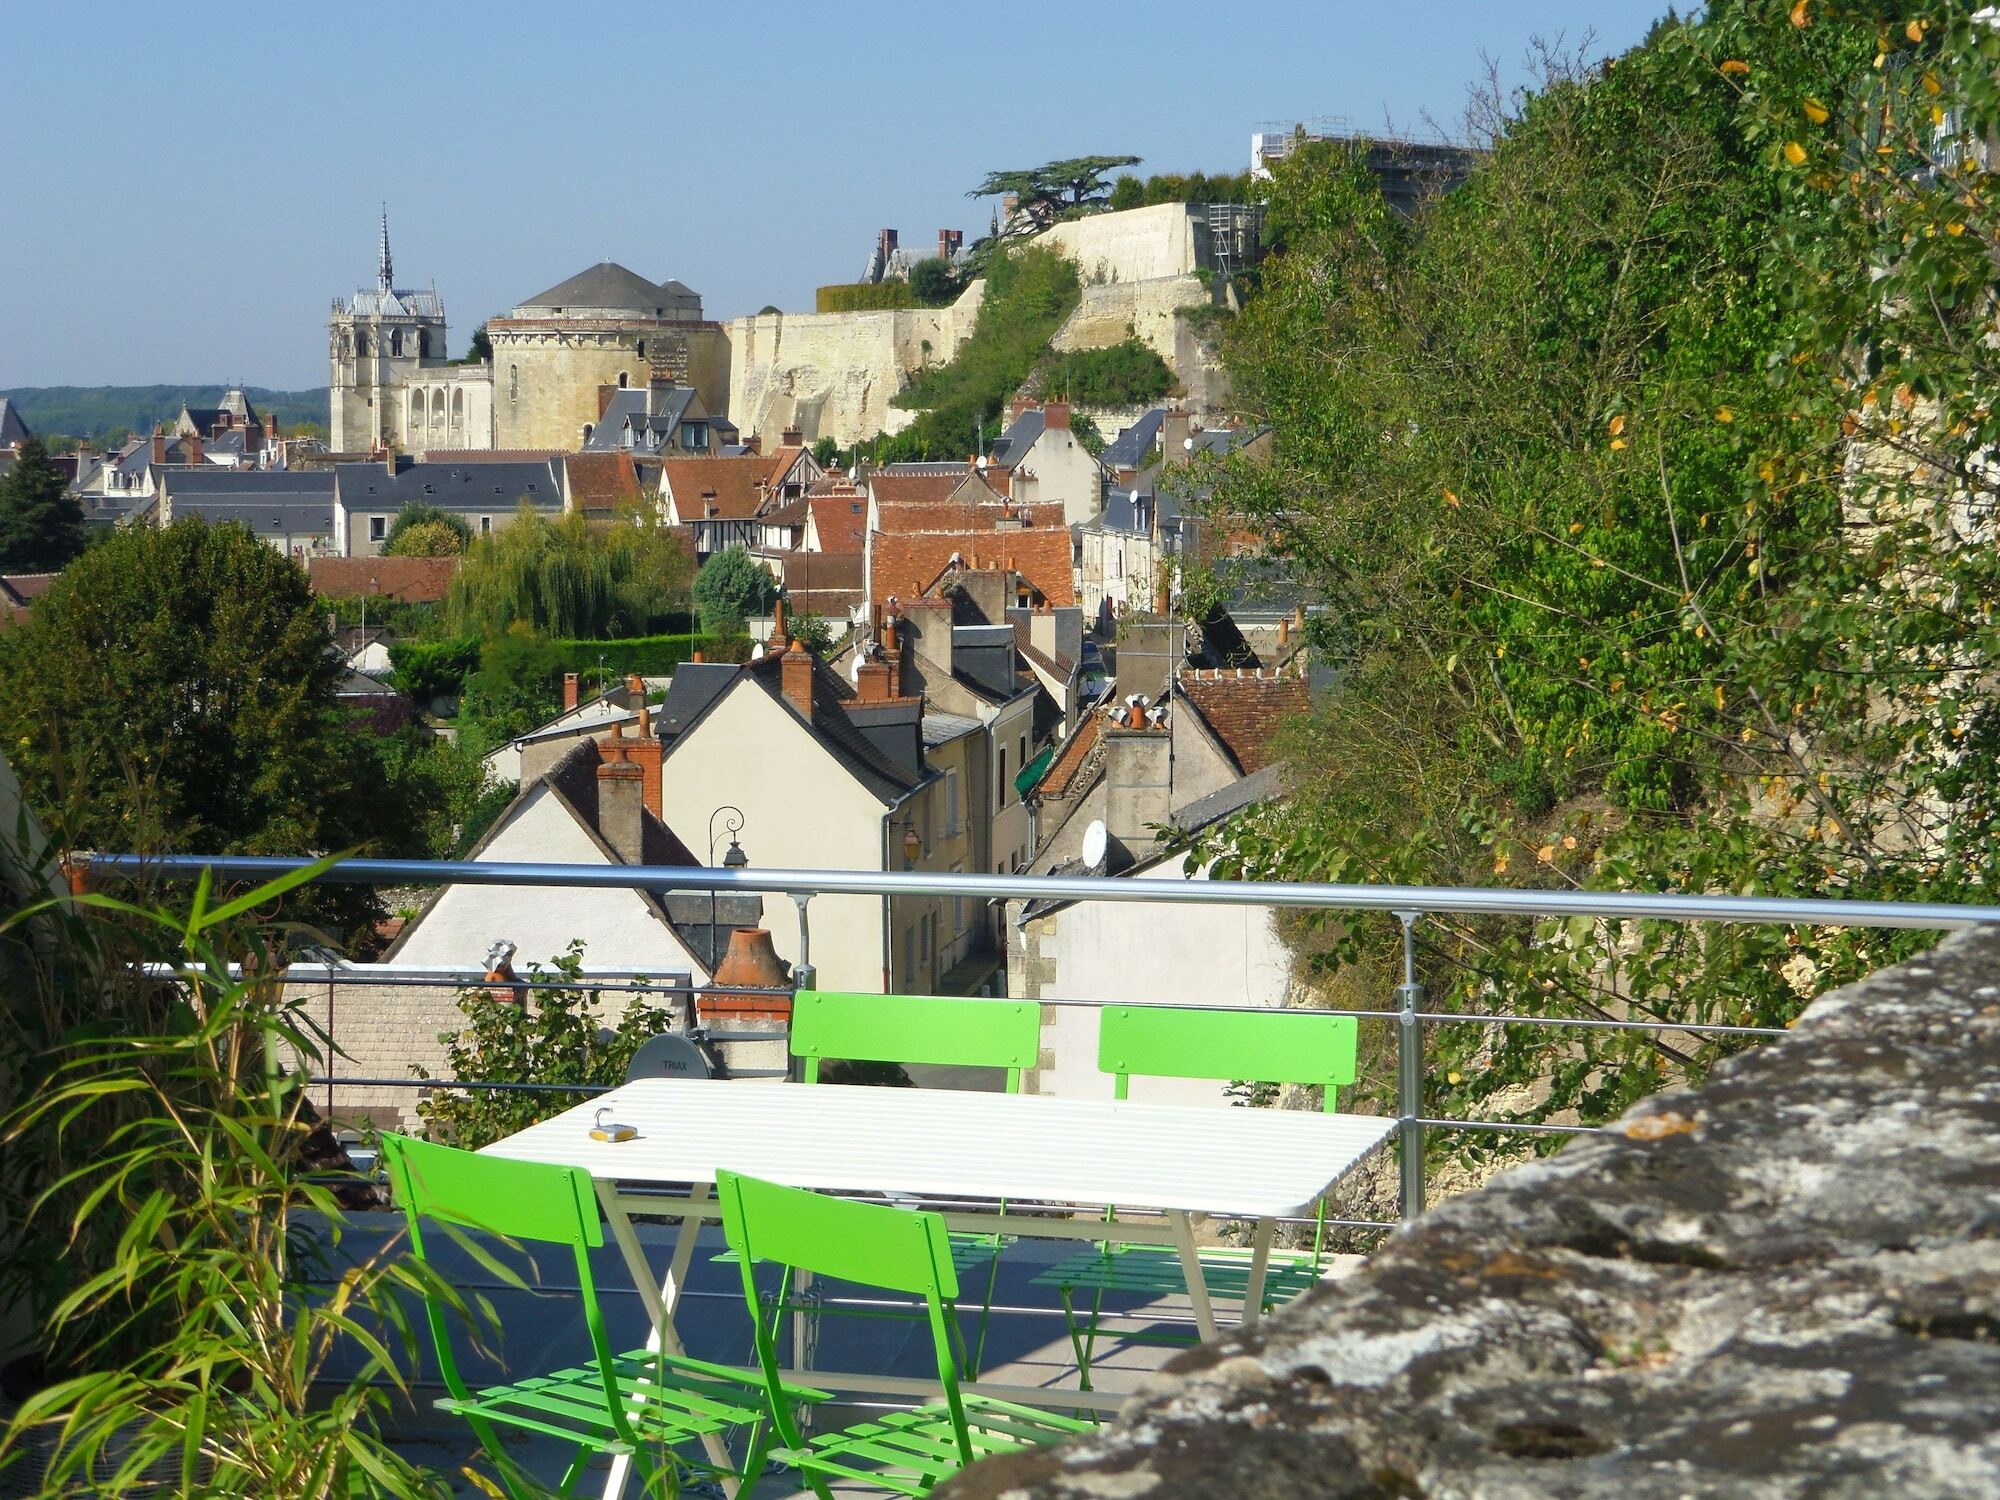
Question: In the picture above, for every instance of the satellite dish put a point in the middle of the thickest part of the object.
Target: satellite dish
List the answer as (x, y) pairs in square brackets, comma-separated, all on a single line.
[(669, 1055), (757, 652), (1095, 840)]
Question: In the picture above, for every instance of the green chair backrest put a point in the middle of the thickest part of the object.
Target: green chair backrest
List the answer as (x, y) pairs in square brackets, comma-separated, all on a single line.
[(517, 1200), (875, 1244), (1257, 1046), (949, 1029)]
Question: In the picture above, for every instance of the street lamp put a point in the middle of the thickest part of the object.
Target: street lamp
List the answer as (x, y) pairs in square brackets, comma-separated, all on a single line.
[(735, 859)]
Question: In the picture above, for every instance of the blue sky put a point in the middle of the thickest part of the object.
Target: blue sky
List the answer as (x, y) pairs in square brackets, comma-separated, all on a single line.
[(187, 189)]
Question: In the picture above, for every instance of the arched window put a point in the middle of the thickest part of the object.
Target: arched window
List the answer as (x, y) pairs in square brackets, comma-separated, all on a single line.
[(588, 428), (395, 342), (416, 416), (624, 380), (513, 382), (458, 411), (361, 343), (437, 412)]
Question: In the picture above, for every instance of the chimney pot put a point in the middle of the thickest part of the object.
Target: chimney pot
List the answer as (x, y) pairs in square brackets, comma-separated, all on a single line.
[(780, 623), (796, 679), (697, 656)]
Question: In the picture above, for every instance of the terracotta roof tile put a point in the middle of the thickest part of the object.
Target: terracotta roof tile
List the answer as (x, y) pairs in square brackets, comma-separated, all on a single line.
[(416, 580), (841, 521), (734, 483), (1069, 763), (893, 489), (600, 481), (1246, 709)]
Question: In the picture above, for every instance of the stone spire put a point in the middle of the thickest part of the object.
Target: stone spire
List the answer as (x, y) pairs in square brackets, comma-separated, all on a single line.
[(385, 271)]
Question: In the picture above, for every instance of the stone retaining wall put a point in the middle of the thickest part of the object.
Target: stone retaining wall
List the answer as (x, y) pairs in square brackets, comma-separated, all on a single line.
[(1785, 1282)]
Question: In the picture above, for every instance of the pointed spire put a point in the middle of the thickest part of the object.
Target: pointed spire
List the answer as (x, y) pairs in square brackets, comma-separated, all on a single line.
[(385, 272)]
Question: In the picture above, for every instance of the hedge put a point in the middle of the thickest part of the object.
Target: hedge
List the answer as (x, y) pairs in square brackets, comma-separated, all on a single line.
[(432, 669), (864, 296)]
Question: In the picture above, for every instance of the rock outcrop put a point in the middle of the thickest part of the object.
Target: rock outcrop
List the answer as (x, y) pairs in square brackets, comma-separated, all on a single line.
[(1785, 1282)]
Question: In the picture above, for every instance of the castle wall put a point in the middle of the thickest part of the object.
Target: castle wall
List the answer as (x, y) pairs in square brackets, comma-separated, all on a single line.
[(833, 374), (546, 372), (1139, 244), (1114, 310)]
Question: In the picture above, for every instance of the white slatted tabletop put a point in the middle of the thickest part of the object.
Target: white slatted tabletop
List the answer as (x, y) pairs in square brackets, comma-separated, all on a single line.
[(1257, 1163)]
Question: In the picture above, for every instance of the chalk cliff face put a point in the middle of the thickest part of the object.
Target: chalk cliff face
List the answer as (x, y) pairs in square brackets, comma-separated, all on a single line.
[(1783, 1283)]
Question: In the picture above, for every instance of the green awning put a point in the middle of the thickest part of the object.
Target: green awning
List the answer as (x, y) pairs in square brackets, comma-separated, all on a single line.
[(1033, 771)]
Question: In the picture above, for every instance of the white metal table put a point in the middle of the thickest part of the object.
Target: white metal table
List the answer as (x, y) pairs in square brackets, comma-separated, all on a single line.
[(1183, 1162)]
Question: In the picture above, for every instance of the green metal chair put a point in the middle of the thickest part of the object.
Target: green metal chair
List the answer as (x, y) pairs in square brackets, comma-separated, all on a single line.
[(946, 1030), (893, 1249), (1237, 1045), (644, 1404)]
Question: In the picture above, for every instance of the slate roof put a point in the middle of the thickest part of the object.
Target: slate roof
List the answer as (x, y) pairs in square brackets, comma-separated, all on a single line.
[(1133, 448), (942, 729), (373, 302), (1022, 434), (627, 423), (1245, 791), (695, 685), (834, 730), (486, 488), (611, 286), (13, 428), (271, 502)]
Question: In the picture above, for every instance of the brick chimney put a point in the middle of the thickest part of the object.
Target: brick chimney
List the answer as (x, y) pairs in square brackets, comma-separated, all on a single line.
[(892, 656), (270, 427), (1020, 404), (159, 445), (948, 242), (645, 750), (1056, 416), (621, 801), (570, 681), (796, 679), (605, 393), (871, 681), (194, 447), (780, 625), (792, 437)]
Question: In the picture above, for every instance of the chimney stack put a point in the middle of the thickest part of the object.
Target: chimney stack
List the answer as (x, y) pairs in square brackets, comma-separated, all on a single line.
[(780, 624), (871, 681), (194, 447), (646, 751), (948, 242), (621, 802), (604, 396), (792, 437), (796, 679), (1055, 416), (1138, 785), (159, 445), (570, 682)]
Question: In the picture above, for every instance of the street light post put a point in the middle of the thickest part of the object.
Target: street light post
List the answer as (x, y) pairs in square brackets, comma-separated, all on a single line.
[(735, 859)]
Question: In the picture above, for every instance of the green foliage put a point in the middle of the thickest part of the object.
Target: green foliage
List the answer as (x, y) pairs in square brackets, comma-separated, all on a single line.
[(518, 686), (1127, 374), (556, 1034), (1029, 292), (567, 577), (482, 815), (1225, 187), (100, 410), (1085, 428), (826, 452), (202, 1324), (426, 531), (41, 528), (425, 670), (438, 785), (934, 282), (404, 619), (1643, 494), (730, 588), (1054, 191), (814, 632), (479, 349), (175, 690), (864, 296)]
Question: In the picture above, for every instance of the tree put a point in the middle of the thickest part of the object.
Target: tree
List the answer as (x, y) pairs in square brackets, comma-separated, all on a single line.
[(516, 687), (730, 588), (814, 632), (1057, 190), (826, 453), (41, 528), (933, 282), (1647, 495), (479, 349), (174, 690), (566, 577), (423, 530)]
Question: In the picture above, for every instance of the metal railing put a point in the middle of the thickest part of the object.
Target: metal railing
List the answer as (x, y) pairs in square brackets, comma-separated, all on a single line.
[(1408, 904)]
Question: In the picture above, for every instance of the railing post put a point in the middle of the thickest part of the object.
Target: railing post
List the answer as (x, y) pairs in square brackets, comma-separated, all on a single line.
[(1410, 1073), (804, 975)]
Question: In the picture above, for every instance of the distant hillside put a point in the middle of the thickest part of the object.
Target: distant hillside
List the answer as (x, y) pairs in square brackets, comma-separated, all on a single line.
[(94, 410)]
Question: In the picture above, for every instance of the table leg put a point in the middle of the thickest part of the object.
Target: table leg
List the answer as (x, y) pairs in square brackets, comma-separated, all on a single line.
[(660, 1302), (1260, 1264), (1197, 1284)]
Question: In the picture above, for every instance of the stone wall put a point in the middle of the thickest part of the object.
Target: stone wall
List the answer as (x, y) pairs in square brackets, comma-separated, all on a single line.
[(1139, 244), (1113, 311), (547, 372), (1783, 1283), (833, 374)]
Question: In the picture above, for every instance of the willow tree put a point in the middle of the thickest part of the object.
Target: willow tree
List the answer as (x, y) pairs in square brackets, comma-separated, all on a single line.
[(568, 577)]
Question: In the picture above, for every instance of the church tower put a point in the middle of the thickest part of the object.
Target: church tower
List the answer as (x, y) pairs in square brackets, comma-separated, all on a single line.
[(379, 343)]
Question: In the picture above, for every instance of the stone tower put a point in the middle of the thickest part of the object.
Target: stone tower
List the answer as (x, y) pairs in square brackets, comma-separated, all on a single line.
[(378, 342)]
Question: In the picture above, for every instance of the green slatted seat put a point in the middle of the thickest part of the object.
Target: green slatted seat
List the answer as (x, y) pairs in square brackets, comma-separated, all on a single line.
[(644, 1404), (942, 1030), (893, 1249), (1257, 1046)]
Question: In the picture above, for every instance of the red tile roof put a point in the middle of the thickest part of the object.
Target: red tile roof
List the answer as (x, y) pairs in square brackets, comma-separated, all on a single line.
[(1070, 760), (891, 489), (416, 580), (736, 496), (601, 481), (1246, 709), (841, 521), (904, 566)]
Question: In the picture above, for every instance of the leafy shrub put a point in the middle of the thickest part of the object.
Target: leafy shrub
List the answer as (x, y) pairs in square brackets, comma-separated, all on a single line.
[(1127, 374), (555, 1035), (934, 282), (426, 531), (434, 669), (730, 588)]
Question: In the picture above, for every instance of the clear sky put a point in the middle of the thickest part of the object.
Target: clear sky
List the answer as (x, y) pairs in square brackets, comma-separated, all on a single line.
[(187, 188)]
